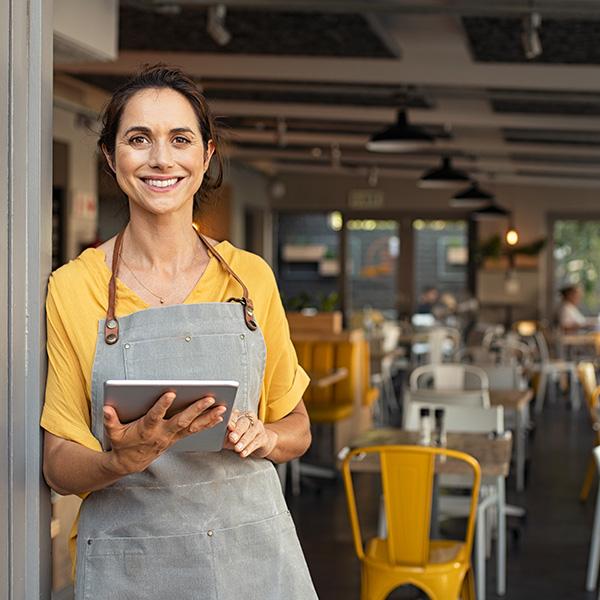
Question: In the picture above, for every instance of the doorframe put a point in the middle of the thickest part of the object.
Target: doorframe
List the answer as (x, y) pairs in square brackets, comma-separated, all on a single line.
[(26, 32)]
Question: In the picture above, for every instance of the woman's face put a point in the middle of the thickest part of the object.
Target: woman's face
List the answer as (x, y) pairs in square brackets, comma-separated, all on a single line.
[(160, 159)]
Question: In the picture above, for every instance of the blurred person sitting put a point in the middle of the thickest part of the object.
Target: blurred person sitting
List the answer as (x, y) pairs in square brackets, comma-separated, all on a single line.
[(428, 300), (570, 318)]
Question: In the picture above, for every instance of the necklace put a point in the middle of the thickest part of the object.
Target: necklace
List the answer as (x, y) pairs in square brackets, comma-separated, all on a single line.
[(161, 299)]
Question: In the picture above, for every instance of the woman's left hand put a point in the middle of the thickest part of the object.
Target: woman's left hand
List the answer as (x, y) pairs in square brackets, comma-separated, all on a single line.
[(247, 435)]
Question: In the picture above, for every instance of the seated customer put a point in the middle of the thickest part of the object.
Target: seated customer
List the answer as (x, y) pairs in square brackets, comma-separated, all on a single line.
[(428, 300), (570, 318)]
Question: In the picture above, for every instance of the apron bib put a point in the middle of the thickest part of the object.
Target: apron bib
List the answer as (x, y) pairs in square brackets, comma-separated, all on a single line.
[(193, 525)]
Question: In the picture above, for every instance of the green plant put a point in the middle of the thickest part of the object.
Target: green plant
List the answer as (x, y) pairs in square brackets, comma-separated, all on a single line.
[(329, 302)]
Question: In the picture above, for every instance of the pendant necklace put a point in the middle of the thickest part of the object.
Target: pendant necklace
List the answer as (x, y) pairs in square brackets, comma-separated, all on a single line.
[(161, 299)]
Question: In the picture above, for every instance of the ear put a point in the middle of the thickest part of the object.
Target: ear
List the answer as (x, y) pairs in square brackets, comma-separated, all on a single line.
[(108, 158), (210, 149)]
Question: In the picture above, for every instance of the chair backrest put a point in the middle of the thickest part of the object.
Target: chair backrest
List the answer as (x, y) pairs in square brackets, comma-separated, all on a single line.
[(407, 481), (473, 398), (587, 377), (473, 419), (503, 376), (448, 377), (324, 357)]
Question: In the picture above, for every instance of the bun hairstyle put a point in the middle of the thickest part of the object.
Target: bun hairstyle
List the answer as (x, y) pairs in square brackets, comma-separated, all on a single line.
[(161, 76)]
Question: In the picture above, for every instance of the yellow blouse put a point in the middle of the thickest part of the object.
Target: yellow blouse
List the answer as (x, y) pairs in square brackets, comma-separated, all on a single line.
[(78, 298)]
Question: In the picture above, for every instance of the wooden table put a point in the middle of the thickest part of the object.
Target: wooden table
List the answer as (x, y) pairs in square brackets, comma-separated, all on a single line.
[(493, 454), (323, 379)]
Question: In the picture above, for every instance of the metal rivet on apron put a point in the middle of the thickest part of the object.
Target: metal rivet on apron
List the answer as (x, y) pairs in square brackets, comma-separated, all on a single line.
[(111, 338), (111, 324), (242, 336), (250, 311), (89, 542), (209, 533), (127, 346), (188, 338)]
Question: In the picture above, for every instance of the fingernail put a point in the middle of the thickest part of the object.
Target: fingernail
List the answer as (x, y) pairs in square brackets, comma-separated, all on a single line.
[(210, 401), (245, 452), (106, 414), (239, 446), (234, 437)]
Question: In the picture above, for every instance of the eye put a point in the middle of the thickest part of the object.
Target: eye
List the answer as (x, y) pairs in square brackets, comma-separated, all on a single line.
[(138, 140), (179, 139)]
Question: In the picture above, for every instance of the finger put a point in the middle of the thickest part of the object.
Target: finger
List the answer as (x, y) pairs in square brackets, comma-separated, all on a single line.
[(254, 445), (183, 419), (241, 427), (207, 419), (235, 413), (247, 438), (111, 420), (157, 413)]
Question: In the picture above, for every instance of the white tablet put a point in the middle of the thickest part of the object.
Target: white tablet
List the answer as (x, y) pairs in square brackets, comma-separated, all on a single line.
[(133, 398)]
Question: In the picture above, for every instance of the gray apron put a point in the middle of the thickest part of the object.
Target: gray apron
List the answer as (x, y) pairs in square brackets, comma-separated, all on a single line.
[(193, 525)]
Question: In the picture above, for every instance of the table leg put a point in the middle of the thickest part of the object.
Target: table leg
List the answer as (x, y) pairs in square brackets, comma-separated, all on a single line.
[(501, 546), (520, 446)]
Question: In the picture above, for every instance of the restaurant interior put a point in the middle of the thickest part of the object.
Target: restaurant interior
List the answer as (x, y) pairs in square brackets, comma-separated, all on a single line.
[(423, 178)]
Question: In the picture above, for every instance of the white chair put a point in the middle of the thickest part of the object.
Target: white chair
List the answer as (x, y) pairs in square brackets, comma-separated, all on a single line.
[(549, 370), (449, 377), (476, 420), (594, 558)]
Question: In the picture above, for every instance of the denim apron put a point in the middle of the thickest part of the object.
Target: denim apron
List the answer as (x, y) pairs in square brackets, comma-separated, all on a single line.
[(193, 525)]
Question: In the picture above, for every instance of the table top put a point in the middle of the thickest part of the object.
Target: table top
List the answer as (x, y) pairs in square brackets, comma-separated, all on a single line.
[(511, 399), (322, 379), (584, 338), (492, 452)]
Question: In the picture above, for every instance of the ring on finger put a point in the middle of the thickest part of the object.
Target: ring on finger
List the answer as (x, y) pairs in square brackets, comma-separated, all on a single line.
[(248, 415)]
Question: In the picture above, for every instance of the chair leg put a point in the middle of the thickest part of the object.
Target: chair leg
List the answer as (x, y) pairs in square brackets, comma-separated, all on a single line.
[(588, 480), (468, 588), (594, 558), (541, 391)]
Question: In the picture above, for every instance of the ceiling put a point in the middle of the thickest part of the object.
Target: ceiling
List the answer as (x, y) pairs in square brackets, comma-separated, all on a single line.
[(302, 84)]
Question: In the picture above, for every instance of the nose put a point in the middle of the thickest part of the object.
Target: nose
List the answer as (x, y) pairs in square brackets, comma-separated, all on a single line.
[(161, 156)]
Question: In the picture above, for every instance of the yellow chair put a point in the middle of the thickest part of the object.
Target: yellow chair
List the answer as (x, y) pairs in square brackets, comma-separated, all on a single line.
[(591, 391), (441, 568)]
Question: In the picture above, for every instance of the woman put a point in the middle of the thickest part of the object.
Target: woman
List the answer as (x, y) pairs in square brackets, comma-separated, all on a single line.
[(158, 523), (570, 317)]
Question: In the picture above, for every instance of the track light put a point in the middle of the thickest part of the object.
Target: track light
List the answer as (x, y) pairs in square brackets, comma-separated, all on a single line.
[(530, 35), (215, 24)]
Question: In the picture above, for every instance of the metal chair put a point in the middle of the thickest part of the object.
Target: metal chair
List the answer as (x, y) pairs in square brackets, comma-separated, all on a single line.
[(407, 555)]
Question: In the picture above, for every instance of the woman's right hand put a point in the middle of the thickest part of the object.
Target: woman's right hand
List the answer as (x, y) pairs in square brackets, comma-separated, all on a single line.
[(137, 444)]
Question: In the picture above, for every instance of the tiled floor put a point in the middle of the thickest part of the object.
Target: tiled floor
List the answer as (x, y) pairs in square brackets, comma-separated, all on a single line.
[(546, 562)]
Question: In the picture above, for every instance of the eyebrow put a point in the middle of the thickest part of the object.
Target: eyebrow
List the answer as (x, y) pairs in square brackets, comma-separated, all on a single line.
[(147, 130)]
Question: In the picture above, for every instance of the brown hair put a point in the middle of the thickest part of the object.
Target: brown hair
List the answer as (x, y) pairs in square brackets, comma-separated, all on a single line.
[(162, 76)]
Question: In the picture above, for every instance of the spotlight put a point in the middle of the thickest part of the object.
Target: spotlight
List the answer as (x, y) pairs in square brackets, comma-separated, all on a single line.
[(512, 237), (530, 36), (215, 24)]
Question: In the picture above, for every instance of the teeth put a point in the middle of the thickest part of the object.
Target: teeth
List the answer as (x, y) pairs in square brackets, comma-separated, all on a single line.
[(161, 182)]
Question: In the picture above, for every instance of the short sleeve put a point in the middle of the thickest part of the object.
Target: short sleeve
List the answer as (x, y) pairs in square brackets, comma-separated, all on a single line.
[(66, 411), (285, 380)]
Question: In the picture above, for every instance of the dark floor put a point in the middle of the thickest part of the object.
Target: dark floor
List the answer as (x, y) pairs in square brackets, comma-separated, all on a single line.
[(547, 555)]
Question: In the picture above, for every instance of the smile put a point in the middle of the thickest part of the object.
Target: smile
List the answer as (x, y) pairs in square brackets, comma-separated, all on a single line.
[(162, 185)]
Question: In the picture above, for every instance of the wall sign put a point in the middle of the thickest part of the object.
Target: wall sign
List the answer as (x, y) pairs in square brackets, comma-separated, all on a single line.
[(365, 199)]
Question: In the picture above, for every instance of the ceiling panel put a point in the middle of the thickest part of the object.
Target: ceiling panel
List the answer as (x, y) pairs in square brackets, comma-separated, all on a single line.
[(564, 41), (252, 32)]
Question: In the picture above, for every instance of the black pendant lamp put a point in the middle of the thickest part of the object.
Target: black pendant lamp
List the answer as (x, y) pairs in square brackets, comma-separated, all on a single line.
[(444, 176), (490, 212), (471, 197), (400, 137)]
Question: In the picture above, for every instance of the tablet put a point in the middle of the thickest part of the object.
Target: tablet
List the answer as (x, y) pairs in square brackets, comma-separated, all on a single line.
[(133, 398)]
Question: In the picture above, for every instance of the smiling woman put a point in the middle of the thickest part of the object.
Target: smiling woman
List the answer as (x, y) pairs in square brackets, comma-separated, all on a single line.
[(155, 522)]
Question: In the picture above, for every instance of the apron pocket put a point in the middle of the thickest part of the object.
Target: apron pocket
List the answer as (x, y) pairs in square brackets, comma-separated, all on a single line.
[(153, 568), (262, 561)]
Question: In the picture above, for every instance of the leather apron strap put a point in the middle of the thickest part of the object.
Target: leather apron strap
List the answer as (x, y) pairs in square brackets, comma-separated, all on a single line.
[(111, 324)]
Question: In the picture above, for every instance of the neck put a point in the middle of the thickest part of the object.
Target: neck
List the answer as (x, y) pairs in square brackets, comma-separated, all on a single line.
[(165, 243)]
